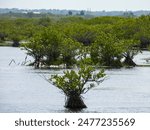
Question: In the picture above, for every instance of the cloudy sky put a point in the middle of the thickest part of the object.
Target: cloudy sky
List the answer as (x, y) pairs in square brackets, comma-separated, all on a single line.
[(98, 5)]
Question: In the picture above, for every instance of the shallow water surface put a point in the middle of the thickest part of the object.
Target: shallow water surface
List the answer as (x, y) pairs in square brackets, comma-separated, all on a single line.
[(24, 89)]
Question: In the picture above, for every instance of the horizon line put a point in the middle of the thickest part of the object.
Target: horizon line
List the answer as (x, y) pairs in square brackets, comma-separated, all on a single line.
[(73, 9)]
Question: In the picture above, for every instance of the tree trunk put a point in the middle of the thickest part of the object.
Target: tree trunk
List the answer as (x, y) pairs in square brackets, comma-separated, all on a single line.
[(15, 44), (129, 61), (37, 62), (74, 101)]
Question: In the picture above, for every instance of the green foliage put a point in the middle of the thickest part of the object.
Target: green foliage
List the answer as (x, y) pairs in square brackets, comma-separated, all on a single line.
[(3, 29), (69, 50), (144, 31), (72, 39), (45, 21), (52, 40), (149, 48), (81, 33), (126, 29), (70, 19), (130, 49), (45, 43), (107, 50), (77, 81), (34, 48), (106, 20)]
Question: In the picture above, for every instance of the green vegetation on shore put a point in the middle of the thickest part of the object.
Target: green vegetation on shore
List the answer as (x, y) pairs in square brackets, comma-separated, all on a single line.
[(71, 40), (5, 44)]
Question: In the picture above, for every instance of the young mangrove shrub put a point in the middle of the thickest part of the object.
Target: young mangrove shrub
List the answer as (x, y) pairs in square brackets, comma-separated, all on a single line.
[(74, 83), (44, 46)]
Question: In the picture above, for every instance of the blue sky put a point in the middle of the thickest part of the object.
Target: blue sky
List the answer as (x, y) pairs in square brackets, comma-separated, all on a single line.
[(98, 5)]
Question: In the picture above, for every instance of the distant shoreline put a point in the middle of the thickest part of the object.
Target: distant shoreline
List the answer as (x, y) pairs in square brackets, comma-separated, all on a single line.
[(74, 12)]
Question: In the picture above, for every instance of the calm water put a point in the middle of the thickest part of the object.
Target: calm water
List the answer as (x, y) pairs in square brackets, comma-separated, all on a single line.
[(23, 89)]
